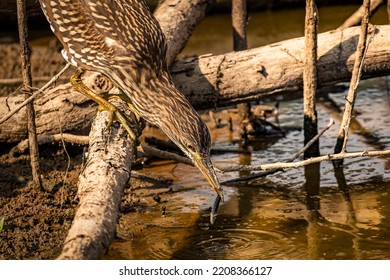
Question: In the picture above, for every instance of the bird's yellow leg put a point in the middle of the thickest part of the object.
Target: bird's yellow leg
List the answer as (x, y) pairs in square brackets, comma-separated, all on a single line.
[(115, 113), (126, 99)]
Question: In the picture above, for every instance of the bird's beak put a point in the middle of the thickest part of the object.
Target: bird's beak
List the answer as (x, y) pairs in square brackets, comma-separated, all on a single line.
[(207, 169)]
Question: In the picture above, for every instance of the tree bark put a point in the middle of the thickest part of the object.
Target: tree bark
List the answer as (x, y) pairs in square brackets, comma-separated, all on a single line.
[(178, 29), (223, 80), (100, 189)]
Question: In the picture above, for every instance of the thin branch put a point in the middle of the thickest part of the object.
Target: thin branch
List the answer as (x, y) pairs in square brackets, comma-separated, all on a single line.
[(239, 23), (356, 17), (314, 139), (356, 73), (45, 139), (329, 157), (18, 81), (34, 95), (27, 84)]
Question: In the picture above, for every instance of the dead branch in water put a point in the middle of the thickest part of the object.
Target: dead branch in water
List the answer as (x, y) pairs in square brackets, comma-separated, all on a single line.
[(342, 137), (270, 171), (310, 79), (285, 165)]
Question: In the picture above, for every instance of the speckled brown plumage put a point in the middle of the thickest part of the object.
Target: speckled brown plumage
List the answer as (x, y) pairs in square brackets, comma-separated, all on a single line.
[(122, 40)]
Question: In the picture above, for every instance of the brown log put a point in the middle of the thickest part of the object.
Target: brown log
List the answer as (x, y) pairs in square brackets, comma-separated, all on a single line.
[(222, 80)]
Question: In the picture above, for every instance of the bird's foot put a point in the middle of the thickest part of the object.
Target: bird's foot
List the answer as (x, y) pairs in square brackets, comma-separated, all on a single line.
[(131, 121), (133, 125)]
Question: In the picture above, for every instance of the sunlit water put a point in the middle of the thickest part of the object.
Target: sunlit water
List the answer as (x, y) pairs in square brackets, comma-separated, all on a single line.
[(288, 215)]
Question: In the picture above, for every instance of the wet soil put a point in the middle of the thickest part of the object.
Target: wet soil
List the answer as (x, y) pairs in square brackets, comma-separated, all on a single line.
[(36, 221)]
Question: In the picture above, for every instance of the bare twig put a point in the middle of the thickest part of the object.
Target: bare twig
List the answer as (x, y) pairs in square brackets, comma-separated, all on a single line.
[(27, 84), (45, 139), (314, 139), (34, 95), (356, 73), (18, 81), (285, 165)]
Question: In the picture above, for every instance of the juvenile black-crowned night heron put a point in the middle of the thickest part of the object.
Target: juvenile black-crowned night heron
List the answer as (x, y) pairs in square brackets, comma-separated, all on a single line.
[(123, 41)]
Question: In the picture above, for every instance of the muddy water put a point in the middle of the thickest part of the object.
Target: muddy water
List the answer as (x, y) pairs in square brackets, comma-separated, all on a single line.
[(305, 213)]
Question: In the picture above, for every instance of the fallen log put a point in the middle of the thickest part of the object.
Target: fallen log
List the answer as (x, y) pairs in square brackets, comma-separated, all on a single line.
[(216, 81), (100, 190), (222, 80)]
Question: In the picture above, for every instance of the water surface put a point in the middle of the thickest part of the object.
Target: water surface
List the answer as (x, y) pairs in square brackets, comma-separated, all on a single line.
[(306, 213)]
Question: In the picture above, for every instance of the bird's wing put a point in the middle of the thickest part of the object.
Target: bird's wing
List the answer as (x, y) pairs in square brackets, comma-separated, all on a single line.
[(98, 34), (129, 25), (83, 44)]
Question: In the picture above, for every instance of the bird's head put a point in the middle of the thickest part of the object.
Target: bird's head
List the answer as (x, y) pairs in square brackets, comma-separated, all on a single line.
[(189, 132), (199, 153)]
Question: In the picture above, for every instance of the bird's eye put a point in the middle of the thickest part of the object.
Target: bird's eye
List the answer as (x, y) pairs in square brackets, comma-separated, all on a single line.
[(190, 148)]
